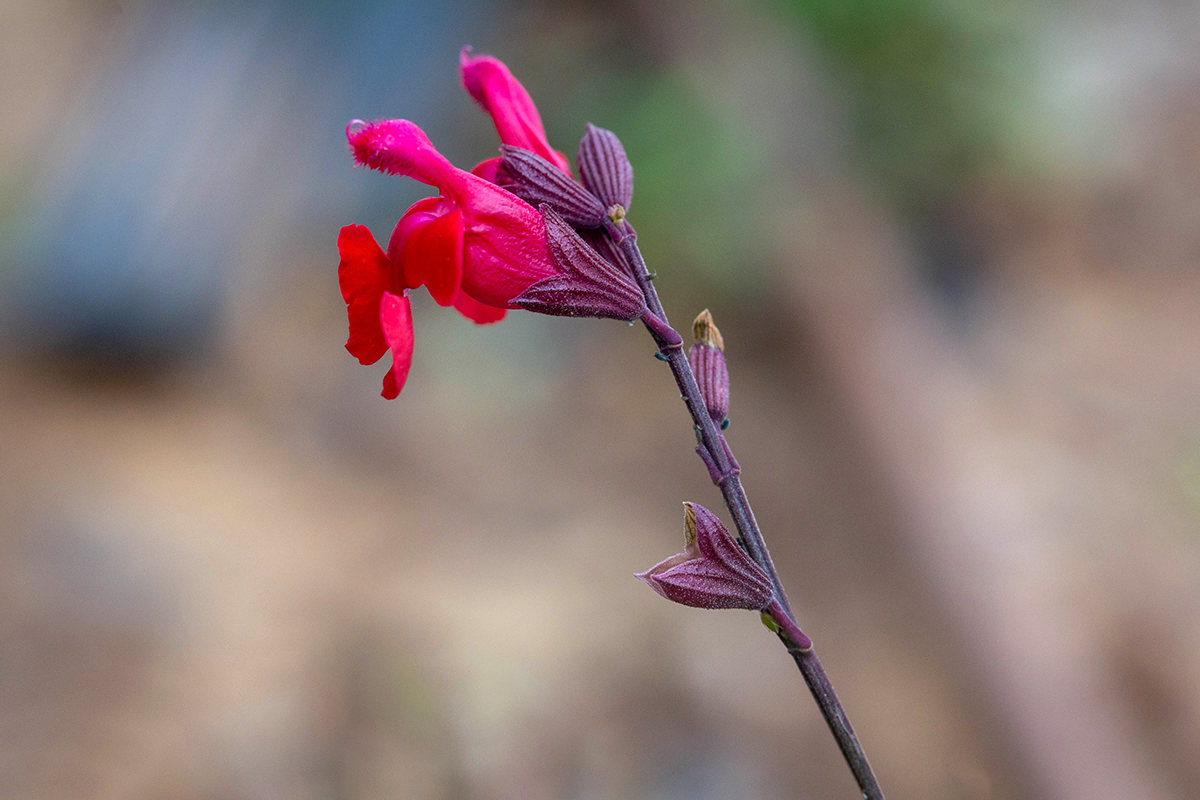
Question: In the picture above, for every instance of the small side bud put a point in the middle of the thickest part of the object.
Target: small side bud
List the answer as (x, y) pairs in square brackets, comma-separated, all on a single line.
[(712, 571), (606, 170), (586, 284), (707, 358), (535, 180)]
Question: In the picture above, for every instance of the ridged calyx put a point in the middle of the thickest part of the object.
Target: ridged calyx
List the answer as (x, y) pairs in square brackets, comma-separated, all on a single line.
[(606, 170), (707, 358), (586, 285), (712, 571), (535, 180)]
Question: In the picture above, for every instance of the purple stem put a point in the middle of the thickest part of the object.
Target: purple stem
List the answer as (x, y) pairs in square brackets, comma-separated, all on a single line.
[(725, 473)]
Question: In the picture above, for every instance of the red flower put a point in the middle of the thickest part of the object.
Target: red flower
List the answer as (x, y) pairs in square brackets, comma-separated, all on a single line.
[(476, 246), (512, 110)]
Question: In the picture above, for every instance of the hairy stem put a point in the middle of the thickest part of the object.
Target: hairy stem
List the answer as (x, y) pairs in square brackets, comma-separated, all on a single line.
[(725, 472)]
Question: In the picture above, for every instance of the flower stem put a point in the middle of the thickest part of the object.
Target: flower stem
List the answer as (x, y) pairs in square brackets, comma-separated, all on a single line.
[(725, 473)]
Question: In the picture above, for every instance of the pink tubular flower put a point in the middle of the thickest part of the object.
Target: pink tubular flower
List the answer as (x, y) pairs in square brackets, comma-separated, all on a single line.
[(512, 110), (485, 239), (476, 246)]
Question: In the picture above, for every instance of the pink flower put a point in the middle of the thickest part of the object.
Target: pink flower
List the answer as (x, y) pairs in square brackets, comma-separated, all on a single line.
[(512, 110), (475, 247)]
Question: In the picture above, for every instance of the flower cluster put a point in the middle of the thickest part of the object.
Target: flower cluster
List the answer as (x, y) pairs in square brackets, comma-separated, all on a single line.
[(520, 232), (506, 234)]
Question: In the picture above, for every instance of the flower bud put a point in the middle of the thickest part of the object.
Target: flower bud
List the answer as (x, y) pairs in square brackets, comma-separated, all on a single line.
[(707, 358), (535, 180), (586, 285), (605, 170), (712, 571)]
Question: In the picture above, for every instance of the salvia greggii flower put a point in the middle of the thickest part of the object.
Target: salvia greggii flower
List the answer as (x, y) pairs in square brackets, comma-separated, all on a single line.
[(586, 284), (605, 170), (503, 237), (712, 571), (481, 246), (475, 246), (511, 108), (707, 358)]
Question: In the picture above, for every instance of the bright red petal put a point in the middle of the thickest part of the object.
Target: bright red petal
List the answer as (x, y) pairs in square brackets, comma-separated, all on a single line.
[(487, 169), (395, 319), (476, 311), (504, 243), (423, 209), (432, 254), (364, 274), (504, 248), (510, 106)]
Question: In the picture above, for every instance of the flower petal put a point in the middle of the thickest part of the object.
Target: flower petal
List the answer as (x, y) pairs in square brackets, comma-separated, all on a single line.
[(510, 106), (430, 253), (399, 147), (364, 274), (504, 243), (421, 211), (395, 319), (487, 169), (504, 238), (476, 311)]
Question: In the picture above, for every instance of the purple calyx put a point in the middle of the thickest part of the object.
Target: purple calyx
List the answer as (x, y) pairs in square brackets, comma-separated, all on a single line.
[(586, 284), (606, 170), (536, 181)]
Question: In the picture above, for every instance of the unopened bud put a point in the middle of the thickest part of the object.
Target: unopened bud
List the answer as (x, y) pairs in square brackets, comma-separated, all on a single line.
[(707, 358), (605, 169), (712, 571)]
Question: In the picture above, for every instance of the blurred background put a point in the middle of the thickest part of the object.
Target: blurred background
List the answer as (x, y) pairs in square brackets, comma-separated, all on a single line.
[(953, 248)]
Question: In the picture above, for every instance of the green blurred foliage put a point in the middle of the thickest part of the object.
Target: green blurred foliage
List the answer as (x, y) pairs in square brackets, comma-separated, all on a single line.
[(698, 172), (934, 92), (933, 85)]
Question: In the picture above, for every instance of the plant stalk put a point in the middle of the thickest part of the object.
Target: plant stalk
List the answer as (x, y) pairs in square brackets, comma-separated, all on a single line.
[(726, 475)]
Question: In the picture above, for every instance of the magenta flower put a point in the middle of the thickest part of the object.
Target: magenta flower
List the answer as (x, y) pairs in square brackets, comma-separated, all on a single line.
[(503, 238), (510, 107), (475, 247)]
